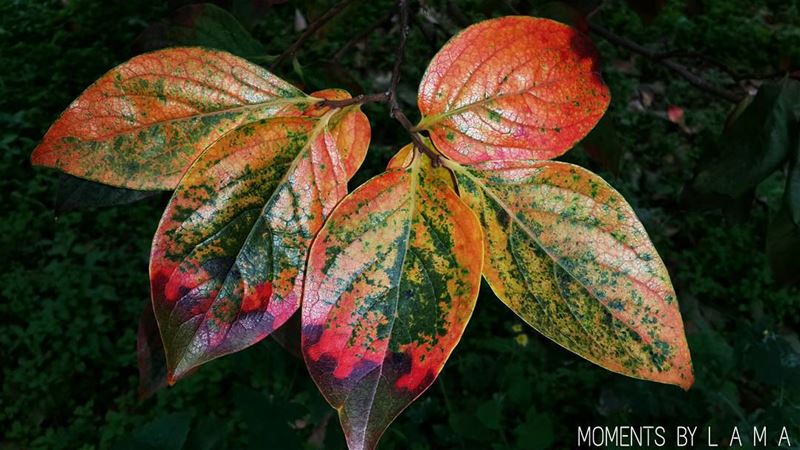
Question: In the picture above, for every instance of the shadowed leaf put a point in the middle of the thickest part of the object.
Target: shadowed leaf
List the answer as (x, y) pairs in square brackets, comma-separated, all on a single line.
[(755, 145), (150, 355), (512, 88), (567, 254), (142, 124), (392, 280), (76, 193), (202, 25), (227, 261)]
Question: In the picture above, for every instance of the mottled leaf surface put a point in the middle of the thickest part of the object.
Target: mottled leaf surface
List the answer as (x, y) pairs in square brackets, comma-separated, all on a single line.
[(567, 254), (144, 122), (227, 260), (392, 280), (512, 88)]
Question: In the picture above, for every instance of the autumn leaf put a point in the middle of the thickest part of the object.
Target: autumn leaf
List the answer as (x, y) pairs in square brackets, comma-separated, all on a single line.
[(512, 88), (144, 122), (227, 260), (567, 254), (392, 280)]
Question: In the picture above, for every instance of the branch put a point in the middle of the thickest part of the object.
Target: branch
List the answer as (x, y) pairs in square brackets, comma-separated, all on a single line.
[(394, 104), (312, 28), (660, 58), (378, 97)]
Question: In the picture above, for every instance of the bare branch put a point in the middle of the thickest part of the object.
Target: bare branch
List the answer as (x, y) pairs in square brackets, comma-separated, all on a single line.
[(665, 60)]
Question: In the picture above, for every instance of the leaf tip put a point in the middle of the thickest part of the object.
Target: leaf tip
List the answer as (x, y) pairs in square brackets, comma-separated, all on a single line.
[(171, 378)]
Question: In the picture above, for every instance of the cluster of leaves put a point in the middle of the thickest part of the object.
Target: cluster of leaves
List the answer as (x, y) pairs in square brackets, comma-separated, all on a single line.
[(259, 170)]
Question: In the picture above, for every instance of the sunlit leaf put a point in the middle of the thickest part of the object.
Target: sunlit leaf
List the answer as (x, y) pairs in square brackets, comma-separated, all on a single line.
[(512, 88), (392, 280), (143, 123), (227, 261), (567, 254)]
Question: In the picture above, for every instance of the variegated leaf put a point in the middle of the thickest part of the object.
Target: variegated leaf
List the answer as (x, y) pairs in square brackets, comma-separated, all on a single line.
[(392, 280), (567, 254), (228, 257), (144, 122)]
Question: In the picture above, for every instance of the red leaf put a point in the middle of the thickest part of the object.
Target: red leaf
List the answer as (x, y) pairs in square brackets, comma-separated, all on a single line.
[(512, 88)]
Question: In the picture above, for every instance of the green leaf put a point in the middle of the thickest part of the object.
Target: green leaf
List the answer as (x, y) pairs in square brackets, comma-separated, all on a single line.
[(756, 144), (165, 433), (201, 25)]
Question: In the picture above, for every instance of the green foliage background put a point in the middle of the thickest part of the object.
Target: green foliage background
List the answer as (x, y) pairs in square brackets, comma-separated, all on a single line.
[(73, 284)]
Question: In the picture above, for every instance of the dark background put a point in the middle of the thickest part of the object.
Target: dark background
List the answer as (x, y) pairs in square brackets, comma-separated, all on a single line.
[(74, 282)]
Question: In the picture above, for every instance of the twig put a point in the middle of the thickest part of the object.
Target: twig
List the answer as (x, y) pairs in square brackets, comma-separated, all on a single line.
[(394, 104), (676, 67), (378, 97), (312, 28), (362, 35)]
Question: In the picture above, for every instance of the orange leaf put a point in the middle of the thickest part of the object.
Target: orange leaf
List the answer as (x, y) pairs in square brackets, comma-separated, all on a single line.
[(512, 88), (142, 124)]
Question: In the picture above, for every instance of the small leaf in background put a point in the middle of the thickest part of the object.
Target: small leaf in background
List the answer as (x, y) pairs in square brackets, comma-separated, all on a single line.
[(755, 145), (228, 257), (150, 355), (536, 433), (391, 283), (490, 413), (566, 253), (201, 25), (675, 114), (144, 122), (165, 433), (207, 433), (512, 88), (76, 193)]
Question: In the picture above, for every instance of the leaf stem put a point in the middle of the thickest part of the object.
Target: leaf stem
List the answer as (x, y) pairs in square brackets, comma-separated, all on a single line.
[(394, 104)]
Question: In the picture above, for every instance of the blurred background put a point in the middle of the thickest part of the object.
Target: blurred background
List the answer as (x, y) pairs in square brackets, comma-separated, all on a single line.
[(73, 274)]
